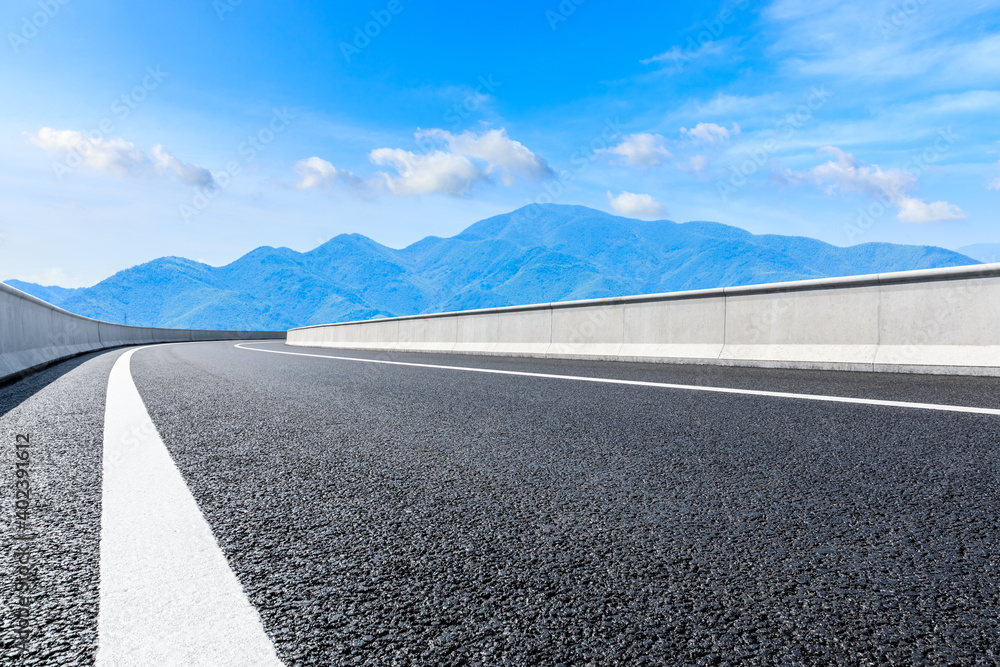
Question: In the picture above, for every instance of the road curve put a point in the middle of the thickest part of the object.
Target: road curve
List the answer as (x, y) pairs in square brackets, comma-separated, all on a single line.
[(382, 513)]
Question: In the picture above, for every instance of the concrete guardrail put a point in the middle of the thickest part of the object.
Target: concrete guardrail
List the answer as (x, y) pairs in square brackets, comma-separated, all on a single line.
[(929, 321), (34, 334)]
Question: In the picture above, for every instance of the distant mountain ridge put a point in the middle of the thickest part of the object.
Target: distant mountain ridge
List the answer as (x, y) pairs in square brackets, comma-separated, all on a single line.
[(51, 293), (988, 253), (536, 254)]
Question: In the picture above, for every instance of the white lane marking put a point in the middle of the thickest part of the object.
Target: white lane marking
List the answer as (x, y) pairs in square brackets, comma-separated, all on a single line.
[(168, 595), (662, 385)]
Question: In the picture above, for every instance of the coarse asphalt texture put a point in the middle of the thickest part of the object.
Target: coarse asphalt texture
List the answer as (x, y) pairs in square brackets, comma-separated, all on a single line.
[(395, 515), (61, 410)]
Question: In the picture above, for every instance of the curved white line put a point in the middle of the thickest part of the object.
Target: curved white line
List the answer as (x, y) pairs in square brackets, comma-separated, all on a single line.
[(168, 595), (662, 385)]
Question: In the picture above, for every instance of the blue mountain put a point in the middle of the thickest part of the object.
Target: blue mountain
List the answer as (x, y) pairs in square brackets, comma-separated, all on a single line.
[(51, 293), (538, 253), (988, 253)]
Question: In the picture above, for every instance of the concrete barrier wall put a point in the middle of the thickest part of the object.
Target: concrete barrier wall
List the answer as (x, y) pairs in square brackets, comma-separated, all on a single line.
[(690, 327), (34, 333), (935, 321), (813, 323)]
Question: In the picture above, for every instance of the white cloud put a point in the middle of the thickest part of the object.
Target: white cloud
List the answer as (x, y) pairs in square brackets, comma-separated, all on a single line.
[(114, 155), (189, 173), (117, 156), (710, 132), (644, 150), (680, 57), (926, 43), (641, 205), (437, 171), (846, 174), (917, 210), (500, 153), (317, 172), (451, 163), (966, 102)]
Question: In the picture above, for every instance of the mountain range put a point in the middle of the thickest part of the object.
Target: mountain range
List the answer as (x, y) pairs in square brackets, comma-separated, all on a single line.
[(536, 254)]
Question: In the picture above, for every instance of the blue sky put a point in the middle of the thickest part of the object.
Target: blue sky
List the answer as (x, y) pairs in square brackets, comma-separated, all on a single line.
[(206, 128)]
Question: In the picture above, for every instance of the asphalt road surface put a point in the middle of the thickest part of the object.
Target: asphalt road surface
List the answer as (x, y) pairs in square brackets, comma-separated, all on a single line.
[(407, 514)]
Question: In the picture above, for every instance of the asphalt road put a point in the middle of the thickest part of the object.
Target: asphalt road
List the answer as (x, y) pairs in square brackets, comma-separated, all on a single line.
[(381, 514)]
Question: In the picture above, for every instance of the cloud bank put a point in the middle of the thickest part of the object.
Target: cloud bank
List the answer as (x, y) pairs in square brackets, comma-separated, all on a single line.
[(710, 133), (642, 150), (844, 173), (640, 205), (318, 173), (118, 156), (449, 164)]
